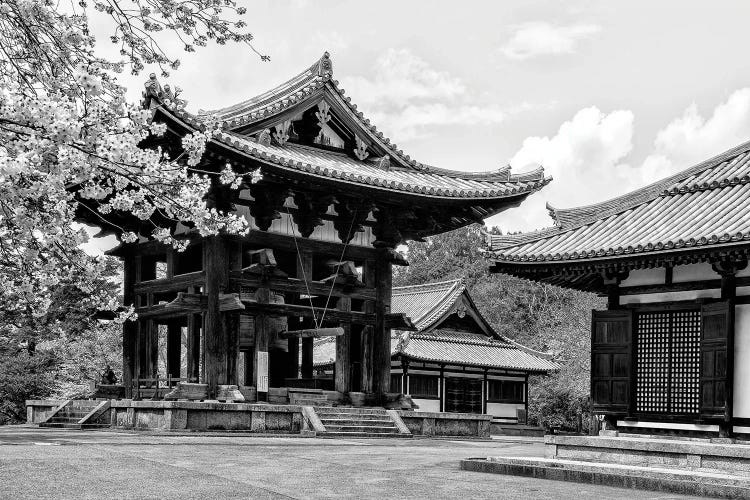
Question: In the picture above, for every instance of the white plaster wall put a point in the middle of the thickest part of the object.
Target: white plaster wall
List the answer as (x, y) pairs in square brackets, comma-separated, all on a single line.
[(693, 272), (640, 277), (742, 361), (503, 410), (650, 298), (428, 404)]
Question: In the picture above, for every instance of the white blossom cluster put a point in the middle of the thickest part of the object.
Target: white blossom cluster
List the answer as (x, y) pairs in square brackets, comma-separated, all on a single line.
[(69, 145)]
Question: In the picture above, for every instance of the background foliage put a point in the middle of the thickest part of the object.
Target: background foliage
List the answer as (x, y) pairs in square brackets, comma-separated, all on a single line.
[(543, 317)]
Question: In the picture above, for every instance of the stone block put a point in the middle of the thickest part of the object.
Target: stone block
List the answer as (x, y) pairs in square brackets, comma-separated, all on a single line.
[(197, 420), (258, 421), (428, 427)]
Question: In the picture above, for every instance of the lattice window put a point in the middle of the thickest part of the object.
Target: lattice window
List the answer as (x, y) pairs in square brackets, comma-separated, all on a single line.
[(668, 362)]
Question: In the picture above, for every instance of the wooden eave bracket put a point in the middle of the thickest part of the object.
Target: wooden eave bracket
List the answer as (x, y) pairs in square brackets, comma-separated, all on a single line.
[(196, 302), (266, 264), (315, 333)]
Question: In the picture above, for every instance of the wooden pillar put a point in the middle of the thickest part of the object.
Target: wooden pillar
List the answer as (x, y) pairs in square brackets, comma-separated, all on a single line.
[(194, 322), (214, 335), (485, 391), (232, 325), (369, 278), (174, 348), (381, 352), (248, 367), (304, 271), (343, 365), (233, 262), (729, 293), (404, 376), (129, 328), (262, 339), (292, 364), (307, 358)]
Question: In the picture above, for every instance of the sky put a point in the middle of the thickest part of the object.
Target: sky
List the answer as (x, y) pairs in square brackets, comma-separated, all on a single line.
[(608, 96)]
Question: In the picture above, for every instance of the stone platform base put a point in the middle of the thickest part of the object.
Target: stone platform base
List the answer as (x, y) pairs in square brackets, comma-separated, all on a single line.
[(695, 454), (686, 482), (446, 424)]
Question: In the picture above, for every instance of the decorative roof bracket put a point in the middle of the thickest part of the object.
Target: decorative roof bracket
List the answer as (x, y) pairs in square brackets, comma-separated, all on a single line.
[(361, 150), (323, 114), (282, 132)]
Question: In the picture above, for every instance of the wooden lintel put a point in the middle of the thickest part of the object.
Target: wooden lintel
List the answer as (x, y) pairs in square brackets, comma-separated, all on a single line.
[(393, 320), (176, 283), (315, 333), (187, 303), (298, 286)]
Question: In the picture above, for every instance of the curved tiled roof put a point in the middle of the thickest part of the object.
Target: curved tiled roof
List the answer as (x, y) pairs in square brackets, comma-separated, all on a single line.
[(445, 346), (426, 305), (316, 83), (708, 204)]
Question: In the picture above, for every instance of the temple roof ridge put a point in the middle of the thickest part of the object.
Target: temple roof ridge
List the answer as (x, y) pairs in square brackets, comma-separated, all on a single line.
[(316, 83), (571, 218)]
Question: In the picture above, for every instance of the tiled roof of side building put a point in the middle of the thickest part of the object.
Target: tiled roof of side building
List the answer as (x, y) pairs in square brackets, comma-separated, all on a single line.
[(708, 204), (452, 347), (426, 305), (316, 83)]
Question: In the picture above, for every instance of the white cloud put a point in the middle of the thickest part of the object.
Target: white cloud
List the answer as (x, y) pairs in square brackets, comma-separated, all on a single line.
[(407, 96), (588, 156), (584, 159), (692, 138), (541, 38)]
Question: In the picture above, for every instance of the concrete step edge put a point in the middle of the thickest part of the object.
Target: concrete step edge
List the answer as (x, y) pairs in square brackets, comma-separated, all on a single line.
[(647, 478)]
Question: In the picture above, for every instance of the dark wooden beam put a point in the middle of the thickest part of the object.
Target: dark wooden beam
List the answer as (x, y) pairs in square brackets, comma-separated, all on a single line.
[(381, 353), (298, 286), (343, 371), (315, 333), (391, 320), (370, 279), (176, 283), (215, 338)]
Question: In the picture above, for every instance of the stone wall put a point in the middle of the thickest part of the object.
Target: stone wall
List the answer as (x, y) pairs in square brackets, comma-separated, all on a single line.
[(37, 410), (447, 424), (206, 416)]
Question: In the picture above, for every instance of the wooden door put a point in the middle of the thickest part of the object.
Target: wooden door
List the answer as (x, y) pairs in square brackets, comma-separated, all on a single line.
[(463, 395), (611, 360), (715, 324)]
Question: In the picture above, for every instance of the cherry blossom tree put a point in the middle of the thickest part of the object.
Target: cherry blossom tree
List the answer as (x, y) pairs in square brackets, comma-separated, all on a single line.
[(69, 144)]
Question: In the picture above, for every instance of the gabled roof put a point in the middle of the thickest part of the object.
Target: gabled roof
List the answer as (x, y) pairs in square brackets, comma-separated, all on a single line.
[(385, 167), (428, 306), (428, 303), (704, 207)]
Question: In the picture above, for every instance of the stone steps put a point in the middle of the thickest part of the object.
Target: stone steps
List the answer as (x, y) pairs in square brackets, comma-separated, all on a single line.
[(69, 416), (362, 428), (686, 482), (357, 422), (358, 435), (702, 456)]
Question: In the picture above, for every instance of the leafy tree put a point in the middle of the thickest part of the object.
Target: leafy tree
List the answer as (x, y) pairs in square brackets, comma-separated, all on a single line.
[(69, 142), (69, 146), (540, 316)]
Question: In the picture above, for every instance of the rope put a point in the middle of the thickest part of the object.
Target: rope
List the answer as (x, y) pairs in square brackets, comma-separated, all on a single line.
[(302, 266), (338, 265)]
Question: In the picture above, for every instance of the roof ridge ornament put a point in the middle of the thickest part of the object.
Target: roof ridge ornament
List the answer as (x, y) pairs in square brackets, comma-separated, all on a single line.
[(325, 66), (361, 150), (282, 132), (323, 114), (264, 137)]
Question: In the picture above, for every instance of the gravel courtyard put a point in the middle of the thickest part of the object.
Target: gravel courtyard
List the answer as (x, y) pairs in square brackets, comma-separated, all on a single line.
[(50, 463)]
